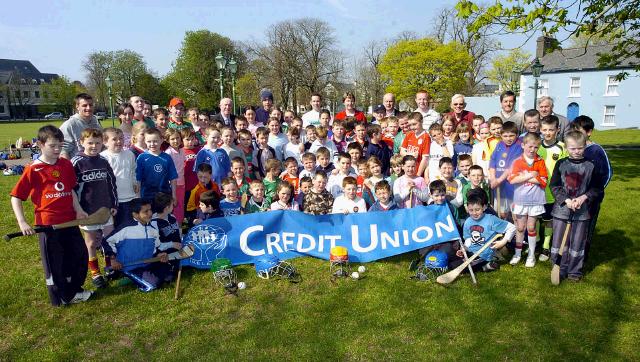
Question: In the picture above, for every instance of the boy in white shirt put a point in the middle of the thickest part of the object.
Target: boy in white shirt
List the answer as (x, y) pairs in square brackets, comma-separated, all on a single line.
[(440, 147), (344, 169), (349, 202)]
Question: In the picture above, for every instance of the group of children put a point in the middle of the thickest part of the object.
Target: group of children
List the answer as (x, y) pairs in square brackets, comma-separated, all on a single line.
[(157, 180)]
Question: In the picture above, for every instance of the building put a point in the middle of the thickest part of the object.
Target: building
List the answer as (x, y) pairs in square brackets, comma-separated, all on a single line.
[(578, 86), (21, 95)]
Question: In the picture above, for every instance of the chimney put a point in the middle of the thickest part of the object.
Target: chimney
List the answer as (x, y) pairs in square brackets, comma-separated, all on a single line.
[(545, 45)]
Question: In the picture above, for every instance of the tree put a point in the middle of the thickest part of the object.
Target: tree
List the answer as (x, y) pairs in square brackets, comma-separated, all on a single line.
[(371, 85), (480, 45), (195, 75), (61, 93), (149, 87), (412, 65), (503, 66), (97, 65), (127, 67), (580, 18)]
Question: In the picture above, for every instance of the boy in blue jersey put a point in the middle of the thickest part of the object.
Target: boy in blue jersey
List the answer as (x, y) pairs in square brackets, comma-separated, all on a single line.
[(502, 158), (480, 228), (596, 154), (216, 157), (230, 205), (155, 169)]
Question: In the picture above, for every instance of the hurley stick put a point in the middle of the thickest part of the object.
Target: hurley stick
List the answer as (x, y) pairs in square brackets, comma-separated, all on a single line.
[(555, 270), (177, 293), (99, 217), (464, 252), (452, 275), (186, 252)]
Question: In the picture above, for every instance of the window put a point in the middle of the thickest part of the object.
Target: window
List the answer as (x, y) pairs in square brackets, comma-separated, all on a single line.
[(612, 86), (36, 94), (543, 87), (609, 116), (25, 94), (17, 94), (2, 109), (574, 87)]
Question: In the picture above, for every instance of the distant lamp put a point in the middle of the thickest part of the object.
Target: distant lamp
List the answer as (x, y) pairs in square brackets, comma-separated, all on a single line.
[(233, 66), (515, 79), (221, 62), (536, 68), (109, 82)]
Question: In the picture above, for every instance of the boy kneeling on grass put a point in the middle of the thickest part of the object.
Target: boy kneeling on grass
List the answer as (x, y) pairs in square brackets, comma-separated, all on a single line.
[(136, 241)]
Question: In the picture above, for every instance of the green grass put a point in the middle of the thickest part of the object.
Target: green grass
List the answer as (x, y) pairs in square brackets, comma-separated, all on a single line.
[(514, 313), (618, 137)]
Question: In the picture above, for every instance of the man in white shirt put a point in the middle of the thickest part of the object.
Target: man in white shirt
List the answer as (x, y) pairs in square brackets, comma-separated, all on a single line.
[(429, 116), (313, 116)]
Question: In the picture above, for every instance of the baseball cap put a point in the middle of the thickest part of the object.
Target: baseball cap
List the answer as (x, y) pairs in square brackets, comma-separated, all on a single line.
[(379, 108), (175, 101), (266, 94)]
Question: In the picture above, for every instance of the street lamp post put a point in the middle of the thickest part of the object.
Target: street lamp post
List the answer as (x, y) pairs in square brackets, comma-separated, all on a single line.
[(515, 80), (536, 69), (233, 68), (109, 85), (221, 62)]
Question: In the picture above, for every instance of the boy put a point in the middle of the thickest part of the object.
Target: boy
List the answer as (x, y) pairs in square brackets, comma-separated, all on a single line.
[(495, 131), (270, 179), (294, 148), (123, 165), (531, 122), (318, 201), (439, 148), (349, 201), (310, 136), (475, 127), (404, 185), (551, 151), (238, 174), (209, 207), (49, 182), (230, 205), (246, 146), (505, 153), (305, 185), (136, 241), (167, 225), (378, 148), (576, 184), (390, 132), (256, 202), (308, 164), (291, 175), (322, 141), (262, 154), (324, 161), (464, 163), (476, 181), (155, 169), (360, 133), (453, 186), (176, 110), (417, 142), (217, 158), (344, 170), (204, 184), (529, 177), (396, 169), (355, 152), (160, 117), (96, 188), (338, 136), (480, 228), (228, 137), (383, 194)]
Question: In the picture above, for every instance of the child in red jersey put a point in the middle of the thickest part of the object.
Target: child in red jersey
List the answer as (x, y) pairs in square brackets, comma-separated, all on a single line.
[(49, 181)]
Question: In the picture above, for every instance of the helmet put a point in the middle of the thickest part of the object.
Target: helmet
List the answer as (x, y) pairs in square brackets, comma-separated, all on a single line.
[(270, 266), (339, 259), (224, 274), (435, 263)]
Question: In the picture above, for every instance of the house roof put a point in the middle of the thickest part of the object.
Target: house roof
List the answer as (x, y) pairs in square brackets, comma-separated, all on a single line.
[(26, 70), (577, 59)]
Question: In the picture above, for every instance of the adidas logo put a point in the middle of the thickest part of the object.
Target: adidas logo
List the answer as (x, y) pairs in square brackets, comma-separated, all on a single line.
[(94, 176)]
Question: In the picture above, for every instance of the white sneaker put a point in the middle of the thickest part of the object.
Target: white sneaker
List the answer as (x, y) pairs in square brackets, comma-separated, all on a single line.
[(515, 260), (82, 296), (531, 262)]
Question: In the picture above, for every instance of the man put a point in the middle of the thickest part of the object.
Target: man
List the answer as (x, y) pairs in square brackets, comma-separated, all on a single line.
[(349, 101), (313, 116), (225, 116), (545, 107), (507, 111), (138, 112), (263, 114), (389, 103), (460, 114), (429, 116), (73, 127)]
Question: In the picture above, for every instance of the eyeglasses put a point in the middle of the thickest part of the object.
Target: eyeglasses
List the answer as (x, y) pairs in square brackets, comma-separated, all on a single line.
[(458, 104)]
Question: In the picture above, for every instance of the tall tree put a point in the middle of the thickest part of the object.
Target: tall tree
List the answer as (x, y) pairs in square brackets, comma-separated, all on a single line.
[(590, 18), (504, 65), (126, 68), (61, 93), (425, 64), (97, 65), (370, 82)]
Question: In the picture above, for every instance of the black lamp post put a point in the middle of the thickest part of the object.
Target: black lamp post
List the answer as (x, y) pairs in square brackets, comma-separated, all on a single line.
[(515, 80), (221, 63), (109, 85), (536, 69)]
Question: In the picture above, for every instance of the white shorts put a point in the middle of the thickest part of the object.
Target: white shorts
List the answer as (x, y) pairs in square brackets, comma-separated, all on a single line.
[(97, 227), (529, 210)]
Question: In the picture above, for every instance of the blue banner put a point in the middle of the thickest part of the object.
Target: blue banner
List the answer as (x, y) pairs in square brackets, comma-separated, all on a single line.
[(289, 234)]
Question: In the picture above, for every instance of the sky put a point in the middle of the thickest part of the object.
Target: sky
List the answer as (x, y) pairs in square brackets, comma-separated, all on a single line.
[(57, 35)]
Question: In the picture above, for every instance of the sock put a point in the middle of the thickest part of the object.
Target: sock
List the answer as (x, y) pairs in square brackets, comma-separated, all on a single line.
[(532, 234), (518, 249), (548, 233), (94, 267), (107, 262)]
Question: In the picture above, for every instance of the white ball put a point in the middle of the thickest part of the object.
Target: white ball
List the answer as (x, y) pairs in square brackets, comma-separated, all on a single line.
[(355, 275), (241, 285), (362, 269)]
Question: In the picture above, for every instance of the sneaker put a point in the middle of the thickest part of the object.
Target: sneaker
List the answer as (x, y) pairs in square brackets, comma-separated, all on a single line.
[(111, 274), (531, 261), (99, 282), (491, 266), (515, 260), (80, 297), (544, 255), (574, 278)]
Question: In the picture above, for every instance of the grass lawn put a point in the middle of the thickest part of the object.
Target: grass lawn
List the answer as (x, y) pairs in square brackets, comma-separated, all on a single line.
[(514, 313), (618, 137)]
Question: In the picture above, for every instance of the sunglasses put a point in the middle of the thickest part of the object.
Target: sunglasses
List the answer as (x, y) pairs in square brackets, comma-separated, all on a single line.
[(458, 104)]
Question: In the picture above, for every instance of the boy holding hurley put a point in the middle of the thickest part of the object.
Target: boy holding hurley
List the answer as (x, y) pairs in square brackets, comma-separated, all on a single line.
[(49, 181)]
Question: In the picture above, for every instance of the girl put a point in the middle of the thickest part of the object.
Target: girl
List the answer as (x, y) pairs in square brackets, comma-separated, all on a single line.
[(125, 115), (250, 115), (285, 200), (277, 139), (174, 138), (480, 152), (375, 176), (463, 146), (404, 185), (137, 138), (448, 128)]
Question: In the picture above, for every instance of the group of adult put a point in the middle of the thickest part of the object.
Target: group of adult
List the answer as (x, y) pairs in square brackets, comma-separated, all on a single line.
[(142, 112)]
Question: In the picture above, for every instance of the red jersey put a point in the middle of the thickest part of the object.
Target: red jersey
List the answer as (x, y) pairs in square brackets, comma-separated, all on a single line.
[(359, 116), (294, 181), (50, 188), (421, 144), (190, 176), (388, 141)]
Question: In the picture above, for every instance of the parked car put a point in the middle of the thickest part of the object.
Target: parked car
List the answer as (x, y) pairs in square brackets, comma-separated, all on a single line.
[(101, 115), (54, 115)]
